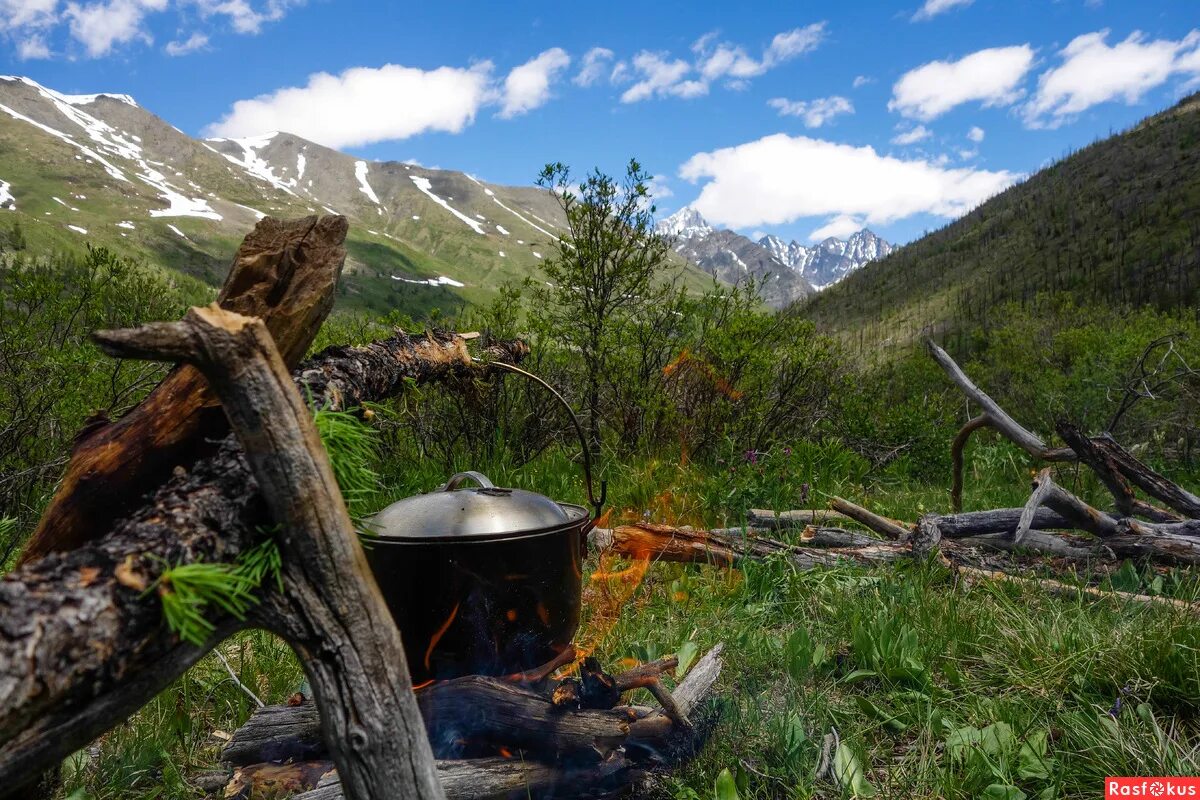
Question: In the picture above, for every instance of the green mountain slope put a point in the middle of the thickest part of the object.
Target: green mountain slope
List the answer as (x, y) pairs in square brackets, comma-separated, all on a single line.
[(1117, 222), (100, 169)]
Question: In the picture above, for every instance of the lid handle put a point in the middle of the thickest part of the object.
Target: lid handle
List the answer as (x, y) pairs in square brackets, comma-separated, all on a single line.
[(458, 480)]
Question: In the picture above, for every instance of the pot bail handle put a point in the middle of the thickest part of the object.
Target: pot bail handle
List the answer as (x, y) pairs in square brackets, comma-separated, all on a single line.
[(461, 477), (597, 503)]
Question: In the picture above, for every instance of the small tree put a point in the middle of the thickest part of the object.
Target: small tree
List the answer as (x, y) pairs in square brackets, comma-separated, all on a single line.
[(609, 267)]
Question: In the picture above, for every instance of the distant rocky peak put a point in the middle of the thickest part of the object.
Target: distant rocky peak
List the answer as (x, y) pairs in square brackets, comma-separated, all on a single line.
[(686, 223)]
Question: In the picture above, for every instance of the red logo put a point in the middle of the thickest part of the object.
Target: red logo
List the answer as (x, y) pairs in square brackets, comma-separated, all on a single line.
[(1156, 787)]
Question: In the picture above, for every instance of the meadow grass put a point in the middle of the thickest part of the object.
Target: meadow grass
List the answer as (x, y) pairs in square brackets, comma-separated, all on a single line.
[(935, 688)]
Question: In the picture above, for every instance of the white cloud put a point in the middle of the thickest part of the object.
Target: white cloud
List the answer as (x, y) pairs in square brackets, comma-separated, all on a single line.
[(32, 47), (661, 78), (917, 134), (839, 227), (366, 104), (101, 26), (1093, 72), (595, 64), (197, 41), (989, 76), (934, 7), (243, 17), (659, 190), (786, 46), (658, 74), (862, 80), (27, 13), (815, 113), (778, 179), (976, 134), (528, 86)]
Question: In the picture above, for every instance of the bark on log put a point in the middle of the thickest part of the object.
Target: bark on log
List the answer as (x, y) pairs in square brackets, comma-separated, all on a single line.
[(999, 520), (1101, 462), (1144, 478), (81, 647), (330, 610), (283, 273), (1050, 544)]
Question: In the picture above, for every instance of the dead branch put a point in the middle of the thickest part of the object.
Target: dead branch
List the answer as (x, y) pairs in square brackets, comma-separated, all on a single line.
[(1099, 459), (956, 457), (332, 612), (887, 528), (782, 520)]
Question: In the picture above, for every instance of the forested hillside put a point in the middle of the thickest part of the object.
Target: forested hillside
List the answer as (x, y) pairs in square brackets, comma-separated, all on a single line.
[(1117, 222)]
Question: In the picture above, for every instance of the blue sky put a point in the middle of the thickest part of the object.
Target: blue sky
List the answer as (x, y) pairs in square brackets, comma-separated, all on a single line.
[(801, 119)]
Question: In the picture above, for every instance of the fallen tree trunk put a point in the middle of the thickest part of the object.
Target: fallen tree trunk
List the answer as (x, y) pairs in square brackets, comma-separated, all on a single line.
[(81, 646), (284, 273)]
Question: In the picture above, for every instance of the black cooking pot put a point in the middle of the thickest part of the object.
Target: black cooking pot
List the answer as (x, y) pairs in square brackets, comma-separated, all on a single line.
[(482, 580)]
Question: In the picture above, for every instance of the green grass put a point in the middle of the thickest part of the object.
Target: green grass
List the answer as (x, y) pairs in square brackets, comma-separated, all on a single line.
[(935, 687)]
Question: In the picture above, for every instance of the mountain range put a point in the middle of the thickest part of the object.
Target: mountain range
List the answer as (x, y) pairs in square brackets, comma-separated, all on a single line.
[(785, 271), (103, 170), (1114, 223)]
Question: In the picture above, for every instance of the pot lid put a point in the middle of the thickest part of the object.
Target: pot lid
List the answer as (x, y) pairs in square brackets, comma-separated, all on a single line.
[(455, 510)]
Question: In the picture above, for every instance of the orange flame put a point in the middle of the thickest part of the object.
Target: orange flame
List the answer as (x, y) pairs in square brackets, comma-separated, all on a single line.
[(423, 684), (439, 633), (685, 363), (505, 752)]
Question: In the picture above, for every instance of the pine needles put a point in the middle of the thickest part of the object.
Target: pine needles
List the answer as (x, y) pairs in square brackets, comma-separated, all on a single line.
[(188, 591), (353, 449)]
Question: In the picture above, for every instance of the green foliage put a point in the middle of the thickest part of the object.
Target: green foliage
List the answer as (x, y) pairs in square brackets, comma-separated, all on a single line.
[(52, 378), (352, 447)]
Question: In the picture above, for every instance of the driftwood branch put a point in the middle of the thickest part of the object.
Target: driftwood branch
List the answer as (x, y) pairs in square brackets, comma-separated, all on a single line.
[(83, 648), (887, 528), (1098, 455), (332, 612)]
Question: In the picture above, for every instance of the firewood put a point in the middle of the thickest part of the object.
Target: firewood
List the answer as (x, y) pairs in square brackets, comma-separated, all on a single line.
[(78, 656), (330, 609), (283, 273)]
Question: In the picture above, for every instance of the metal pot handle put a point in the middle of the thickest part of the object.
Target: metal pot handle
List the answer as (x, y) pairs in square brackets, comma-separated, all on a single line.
[(458, 480), (597, 504)]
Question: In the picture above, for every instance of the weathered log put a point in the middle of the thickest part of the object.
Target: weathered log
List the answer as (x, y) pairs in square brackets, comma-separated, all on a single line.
[(1042, 487), (330, 610), (1146, 479), (81, 645), (283, 273), (887, 528), (651, 735), (488, 778), (799, 518), (1161, 542), (666, 543), (1050, 544), (813, 536), (1097, 457), (999, 520)]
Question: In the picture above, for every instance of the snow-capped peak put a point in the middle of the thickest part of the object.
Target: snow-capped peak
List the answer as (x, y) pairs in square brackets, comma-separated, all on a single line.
[(686, 223), (830, 260)]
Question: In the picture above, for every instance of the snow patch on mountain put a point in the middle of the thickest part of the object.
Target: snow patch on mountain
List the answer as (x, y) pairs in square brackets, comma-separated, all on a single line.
[(832, 259), (6, 196), (426, 186), (255, 164), (360, 172)]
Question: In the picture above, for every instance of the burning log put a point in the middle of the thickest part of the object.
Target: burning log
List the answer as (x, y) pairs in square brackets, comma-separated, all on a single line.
[(84, 646), (578, 756)]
